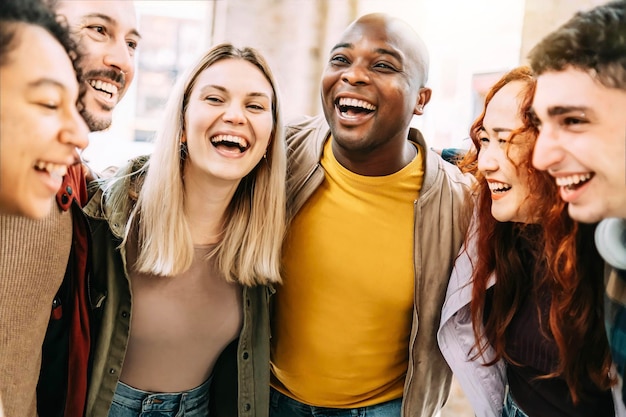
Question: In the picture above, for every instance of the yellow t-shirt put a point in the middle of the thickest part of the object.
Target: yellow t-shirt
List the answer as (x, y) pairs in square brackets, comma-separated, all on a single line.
[(343, 316)]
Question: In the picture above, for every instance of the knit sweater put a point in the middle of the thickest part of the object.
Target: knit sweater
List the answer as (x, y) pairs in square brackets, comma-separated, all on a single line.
[(33, 259)]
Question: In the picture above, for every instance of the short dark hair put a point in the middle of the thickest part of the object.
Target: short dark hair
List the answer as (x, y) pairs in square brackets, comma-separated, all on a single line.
[(14, 13), (593, 41)]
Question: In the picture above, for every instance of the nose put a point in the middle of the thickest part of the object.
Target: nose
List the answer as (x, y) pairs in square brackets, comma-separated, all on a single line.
[(546, 154), (234, 114), (487, 159), (355, 74), (74, 131), (119, 55)]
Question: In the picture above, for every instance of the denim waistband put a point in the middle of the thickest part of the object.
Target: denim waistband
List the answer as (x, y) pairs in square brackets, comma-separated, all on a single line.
[(163, 401)]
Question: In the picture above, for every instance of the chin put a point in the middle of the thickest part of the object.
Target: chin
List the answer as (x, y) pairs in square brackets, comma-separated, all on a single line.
[(35, 209), (585, 214)]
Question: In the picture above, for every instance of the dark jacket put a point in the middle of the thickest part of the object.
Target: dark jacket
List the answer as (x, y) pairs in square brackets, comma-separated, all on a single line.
[(240, 382), (62, 387)]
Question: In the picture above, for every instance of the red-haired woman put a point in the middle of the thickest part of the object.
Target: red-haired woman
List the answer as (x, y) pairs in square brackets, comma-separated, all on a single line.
[(522, 323)]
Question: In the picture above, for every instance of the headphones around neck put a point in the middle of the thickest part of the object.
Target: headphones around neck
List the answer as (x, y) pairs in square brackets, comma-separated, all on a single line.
[(610, 238)]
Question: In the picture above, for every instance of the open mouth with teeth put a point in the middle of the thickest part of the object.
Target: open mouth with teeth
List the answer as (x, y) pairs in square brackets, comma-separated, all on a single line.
[(103, 87), (230, 143), (574, 182), (499, 187), (351, 107), (55, 170)]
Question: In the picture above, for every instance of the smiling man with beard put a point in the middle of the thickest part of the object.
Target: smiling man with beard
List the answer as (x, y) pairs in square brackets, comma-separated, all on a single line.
[(106, 32)]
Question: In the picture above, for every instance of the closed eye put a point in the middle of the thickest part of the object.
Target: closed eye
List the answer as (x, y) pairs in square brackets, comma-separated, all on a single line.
[(50, 105)]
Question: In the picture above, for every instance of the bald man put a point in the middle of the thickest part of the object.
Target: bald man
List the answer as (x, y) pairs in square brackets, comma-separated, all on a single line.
[(377, 220)]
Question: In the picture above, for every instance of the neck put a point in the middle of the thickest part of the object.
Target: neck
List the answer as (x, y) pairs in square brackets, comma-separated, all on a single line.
[(205, 206), (378, 162)]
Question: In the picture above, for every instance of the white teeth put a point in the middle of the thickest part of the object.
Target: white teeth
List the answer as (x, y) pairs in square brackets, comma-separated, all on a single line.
[(230, 138), (571, 180), (498, 186), (104, 86), (352, 102), (51, 168)]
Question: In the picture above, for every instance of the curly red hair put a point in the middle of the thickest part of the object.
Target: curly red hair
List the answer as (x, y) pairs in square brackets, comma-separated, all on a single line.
[(563, 259)]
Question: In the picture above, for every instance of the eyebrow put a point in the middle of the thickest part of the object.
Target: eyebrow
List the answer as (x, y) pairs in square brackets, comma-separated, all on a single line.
[(559, 110), (45, 82), (111, 21), (223, 89), (381, 51), (496, 130)]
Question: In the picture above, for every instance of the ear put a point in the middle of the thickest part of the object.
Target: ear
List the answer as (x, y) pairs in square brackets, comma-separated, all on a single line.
[(183, 137), (423, 98)]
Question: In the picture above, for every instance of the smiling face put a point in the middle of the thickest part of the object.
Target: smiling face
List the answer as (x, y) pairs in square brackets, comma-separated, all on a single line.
[(40, 127), (371, 88), (228, 122), (582, 142), (106, 33), (501, 159)]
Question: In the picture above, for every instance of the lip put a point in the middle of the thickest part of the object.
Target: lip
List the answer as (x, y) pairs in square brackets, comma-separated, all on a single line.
[(570, 196), (352, 120), (226, 152), (99, 96), (51, 183), (567, 195), (500, 195)]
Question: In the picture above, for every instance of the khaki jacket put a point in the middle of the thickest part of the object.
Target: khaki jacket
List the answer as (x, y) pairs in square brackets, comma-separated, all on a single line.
[(441, 216), (240, 383)]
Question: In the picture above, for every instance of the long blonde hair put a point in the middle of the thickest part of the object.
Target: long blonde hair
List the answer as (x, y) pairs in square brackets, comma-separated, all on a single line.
[(254, 223)]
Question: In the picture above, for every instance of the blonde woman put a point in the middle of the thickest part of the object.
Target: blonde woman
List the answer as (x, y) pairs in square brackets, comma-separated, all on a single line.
[(187, 246)]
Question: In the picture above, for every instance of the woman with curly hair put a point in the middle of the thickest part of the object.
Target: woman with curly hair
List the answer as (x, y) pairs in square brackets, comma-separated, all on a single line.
[(522, 323)]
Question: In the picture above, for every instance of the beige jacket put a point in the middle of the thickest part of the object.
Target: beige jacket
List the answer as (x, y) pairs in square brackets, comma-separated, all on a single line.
[(441, 216)]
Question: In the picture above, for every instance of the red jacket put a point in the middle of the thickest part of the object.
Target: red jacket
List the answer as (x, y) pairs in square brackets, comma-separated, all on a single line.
[(62, 387)]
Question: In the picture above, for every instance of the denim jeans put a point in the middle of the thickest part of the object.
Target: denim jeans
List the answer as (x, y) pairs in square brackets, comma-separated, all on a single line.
[(283, 406), (511, 409), (131, 402)]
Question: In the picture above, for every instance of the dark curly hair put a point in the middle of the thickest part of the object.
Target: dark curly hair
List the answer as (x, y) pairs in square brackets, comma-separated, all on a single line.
[(593, 41), (16, 13)]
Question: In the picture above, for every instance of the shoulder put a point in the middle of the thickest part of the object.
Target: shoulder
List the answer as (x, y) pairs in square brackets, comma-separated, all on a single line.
[(305, 126), (444, 176)]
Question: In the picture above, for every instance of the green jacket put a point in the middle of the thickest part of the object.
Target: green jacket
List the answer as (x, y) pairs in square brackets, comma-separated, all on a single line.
[(441, 216), (240, 384)]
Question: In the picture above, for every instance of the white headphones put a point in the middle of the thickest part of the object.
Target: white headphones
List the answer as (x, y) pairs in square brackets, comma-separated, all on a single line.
[(610, 238)]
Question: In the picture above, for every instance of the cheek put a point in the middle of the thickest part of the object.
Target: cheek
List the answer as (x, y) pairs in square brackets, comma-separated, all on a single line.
[(328, 80), (263, 130)]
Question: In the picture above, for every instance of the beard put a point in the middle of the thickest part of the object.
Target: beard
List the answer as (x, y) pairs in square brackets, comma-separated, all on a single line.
[(95, 124)]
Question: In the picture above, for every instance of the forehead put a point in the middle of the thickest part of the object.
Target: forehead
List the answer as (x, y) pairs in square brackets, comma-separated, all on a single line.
[(568, 88), (504, 107), (37, 55), (376, 33), (235, 74), (122, 12)]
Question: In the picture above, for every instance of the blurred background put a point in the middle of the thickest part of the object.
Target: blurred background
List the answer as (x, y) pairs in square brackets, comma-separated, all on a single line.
[(471, 43)]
